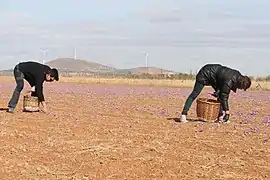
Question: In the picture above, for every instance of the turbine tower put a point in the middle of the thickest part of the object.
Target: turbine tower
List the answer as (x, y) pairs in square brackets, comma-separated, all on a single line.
[(44, 51), (146, 61), (75, 52)]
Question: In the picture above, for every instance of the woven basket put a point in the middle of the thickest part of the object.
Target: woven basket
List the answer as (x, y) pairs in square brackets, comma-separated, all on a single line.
[(30, 104), (207, 109)]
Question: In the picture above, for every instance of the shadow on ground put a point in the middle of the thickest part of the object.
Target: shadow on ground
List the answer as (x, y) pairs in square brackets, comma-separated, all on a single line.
[(3, 109), (189, 119)]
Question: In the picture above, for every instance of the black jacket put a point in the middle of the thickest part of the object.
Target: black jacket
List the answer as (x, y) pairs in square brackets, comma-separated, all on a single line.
[(35, 74), (221, 78)]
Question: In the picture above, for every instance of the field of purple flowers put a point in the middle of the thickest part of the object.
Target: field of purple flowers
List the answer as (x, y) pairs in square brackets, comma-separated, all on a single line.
[(121, 132)]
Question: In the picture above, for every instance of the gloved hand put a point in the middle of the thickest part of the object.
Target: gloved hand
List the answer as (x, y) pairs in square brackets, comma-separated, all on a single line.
[(33, 89), (216, 94), (226, 117)]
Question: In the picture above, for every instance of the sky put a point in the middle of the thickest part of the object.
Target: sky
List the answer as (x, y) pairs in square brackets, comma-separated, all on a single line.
[(178, 35)]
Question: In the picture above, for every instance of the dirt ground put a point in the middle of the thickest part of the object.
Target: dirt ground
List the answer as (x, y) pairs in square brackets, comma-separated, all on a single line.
[(120, 132)]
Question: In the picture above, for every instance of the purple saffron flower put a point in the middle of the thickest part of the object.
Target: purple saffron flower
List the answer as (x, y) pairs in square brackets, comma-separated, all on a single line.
[(201, 129), (254, 129), (239, 113), (267, 119), (252, 113), (246, 131)]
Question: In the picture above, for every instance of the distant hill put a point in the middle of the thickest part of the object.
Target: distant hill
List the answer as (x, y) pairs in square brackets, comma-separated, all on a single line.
[(148, 70), (78, 65)]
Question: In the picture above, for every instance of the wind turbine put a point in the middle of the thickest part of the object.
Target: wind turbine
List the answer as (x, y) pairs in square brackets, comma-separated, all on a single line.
[(74, 37), (75, 52), (44, 54), (146, 61)]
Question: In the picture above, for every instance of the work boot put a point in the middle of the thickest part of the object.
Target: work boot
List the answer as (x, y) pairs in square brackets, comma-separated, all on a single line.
[(224, 119), (184, 119), (10, 110)]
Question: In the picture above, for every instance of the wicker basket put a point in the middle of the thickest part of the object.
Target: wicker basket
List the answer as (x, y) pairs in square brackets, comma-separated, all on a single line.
[(207, 109), (30, 104)]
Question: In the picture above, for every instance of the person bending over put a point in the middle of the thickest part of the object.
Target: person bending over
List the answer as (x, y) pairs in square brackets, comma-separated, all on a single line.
[(35, 73), (222, 79)]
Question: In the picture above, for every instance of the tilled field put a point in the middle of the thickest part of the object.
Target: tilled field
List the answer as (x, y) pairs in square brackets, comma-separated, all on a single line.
[(121, 132)]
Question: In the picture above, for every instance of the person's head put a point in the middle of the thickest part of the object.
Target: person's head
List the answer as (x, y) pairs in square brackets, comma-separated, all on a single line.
[(52, 75), (244, 82)]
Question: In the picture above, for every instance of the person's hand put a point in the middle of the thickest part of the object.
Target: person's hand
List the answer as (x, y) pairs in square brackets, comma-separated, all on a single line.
[(31, 90), (216, 94), (44, 109)]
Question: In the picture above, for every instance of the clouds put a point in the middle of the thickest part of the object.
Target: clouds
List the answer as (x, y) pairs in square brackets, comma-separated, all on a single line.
[(9, 15), (116, 32), (9, 18)]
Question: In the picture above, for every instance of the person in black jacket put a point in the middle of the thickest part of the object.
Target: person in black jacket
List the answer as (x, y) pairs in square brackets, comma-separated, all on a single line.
[(35, 73), (223, 79)]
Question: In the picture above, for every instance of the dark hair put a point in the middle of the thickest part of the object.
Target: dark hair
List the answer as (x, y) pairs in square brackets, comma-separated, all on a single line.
[(244, 82), (54, 73)]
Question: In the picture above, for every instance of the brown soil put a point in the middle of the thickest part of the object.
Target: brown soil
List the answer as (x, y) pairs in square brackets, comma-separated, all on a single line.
[(115, 132)]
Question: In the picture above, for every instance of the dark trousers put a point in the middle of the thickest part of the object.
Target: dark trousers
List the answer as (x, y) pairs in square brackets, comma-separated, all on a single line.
[(198, 87), (19, 87)]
